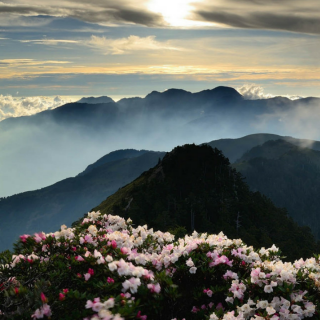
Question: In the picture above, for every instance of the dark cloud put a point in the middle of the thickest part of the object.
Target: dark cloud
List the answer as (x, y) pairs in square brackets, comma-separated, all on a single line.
[(293, 15), (24, 10), (101, 12), (118, 15)]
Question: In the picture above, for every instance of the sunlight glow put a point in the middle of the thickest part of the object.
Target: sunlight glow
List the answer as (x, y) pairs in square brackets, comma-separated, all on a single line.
[(176, 12)]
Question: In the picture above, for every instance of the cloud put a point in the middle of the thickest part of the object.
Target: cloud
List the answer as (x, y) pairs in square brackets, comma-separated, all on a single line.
[(253, 92), (300, 120), (28, 62), (287, 15), (49, 41), (104, 12), (16, 107), (125, 45)]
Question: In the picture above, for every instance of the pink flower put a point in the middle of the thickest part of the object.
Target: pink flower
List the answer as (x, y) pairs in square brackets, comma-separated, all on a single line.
[(43, 311), (154, 287), (79, 258), (88, 238), (87, 276), (46, 310), (230, 275), (221, 260), (61, 296), (209, 293), (37, 238), (113, 244), (110, 280), (90, 271), (44, 299), (89, 304), (24, 237), (195, 309), (139, 316), (219, 306), (124, 250)]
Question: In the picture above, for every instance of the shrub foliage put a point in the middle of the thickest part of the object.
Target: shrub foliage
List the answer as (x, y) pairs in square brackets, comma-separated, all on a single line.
[(105, 268)]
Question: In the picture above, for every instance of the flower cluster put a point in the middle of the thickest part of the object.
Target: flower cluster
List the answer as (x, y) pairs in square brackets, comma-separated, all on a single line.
[(106, 269)]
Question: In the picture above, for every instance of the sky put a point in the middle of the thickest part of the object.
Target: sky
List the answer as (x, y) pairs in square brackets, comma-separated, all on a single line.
[(52, 52)]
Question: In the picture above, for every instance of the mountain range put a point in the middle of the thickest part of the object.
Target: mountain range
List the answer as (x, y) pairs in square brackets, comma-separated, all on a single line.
[(63, 202), (269, 163), (71, 136), (289, 175), (195, 188)]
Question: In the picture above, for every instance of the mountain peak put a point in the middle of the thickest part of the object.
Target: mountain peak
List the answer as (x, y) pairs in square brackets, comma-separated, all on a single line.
[(226, 92), (272, 149), (221, 94), (194, 188), (169, 93), (95, 100)]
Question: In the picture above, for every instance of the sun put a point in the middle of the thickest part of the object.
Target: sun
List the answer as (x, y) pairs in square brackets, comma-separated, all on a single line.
[(175, 12)]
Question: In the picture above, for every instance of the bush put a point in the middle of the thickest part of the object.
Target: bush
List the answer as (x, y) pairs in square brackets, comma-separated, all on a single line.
[(105, 268)]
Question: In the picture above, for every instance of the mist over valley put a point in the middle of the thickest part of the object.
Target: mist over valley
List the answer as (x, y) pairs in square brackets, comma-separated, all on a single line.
[(41, 149)]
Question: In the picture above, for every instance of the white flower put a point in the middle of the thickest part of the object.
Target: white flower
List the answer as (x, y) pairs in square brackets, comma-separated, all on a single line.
[(193, 270), (270, 311), (96, 253), (213, 316), (268, 288), (94, 215), (229, 299), (97, 306), (285, 303), (109, 258), (174, 258), (273, 248), (245, 308), (131, 284), (93, 229), (112, 266), (263, 304), (103, 313), (189, 263), (109, 303)]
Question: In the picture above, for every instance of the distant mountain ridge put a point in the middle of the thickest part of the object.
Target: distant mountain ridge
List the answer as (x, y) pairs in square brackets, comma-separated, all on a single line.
[(289, 175), (171, 100), (159, 121), (48, 208), (194, 188), (234, 149), (96, 100), (67, 200), (114, 156)]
